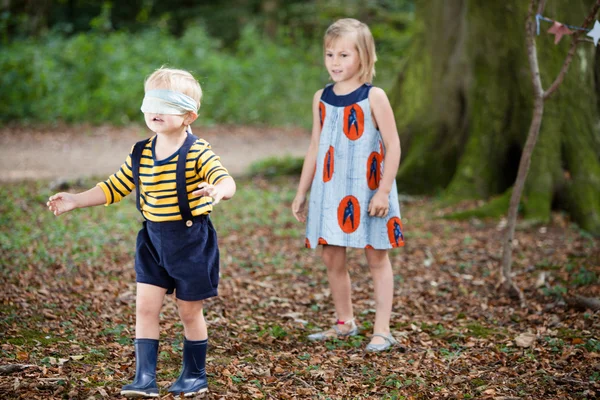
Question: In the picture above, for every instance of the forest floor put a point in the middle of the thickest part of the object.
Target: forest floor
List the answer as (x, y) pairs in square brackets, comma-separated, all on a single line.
[(67, 312)]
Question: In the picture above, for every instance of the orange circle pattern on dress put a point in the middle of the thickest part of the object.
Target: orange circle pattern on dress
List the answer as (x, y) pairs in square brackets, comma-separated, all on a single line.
[(354, 121), (395, 232), (374, 170), (349, 214)]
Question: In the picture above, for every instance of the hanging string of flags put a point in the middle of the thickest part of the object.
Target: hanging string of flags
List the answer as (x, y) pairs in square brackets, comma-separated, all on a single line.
[(559, 29)]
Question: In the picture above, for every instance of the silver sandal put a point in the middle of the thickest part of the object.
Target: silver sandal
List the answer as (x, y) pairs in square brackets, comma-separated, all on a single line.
[(335, 331), (389, 342)]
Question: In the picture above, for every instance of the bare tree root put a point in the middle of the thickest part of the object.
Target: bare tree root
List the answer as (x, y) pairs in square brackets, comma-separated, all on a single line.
[(583, 303), (509, 287), (12, 368)]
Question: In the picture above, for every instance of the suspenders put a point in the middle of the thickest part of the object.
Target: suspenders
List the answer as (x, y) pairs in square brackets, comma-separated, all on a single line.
[(182, 197), (181, 185), (136, 156)]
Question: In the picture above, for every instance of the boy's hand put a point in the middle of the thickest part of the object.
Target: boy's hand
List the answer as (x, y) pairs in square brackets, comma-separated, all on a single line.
[(299, 208), (61, 203), (206, 189), (379, 206)]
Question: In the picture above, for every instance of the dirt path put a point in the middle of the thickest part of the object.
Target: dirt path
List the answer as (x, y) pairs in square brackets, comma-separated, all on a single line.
[(71, 152)]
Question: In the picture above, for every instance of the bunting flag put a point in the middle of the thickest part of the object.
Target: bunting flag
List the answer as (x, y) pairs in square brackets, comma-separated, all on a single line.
[(595, 33), (559, 29)]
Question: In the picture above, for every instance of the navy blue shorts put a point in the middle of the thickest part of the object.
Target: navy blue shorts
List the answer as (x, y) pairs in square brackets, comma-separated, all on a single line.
[(179, 258)]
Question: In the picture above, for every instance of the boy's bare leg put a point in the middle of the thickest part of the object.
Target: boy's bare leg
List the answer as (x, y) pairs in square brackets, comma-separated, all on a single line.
[(383, 282), (148, 302), (192, 317), (334, 258)]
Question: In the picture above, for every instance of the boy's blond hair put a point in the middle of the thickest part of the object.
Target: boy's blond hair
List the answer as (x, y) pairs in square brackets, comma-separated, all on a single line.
[(177, 80), (365, 44)]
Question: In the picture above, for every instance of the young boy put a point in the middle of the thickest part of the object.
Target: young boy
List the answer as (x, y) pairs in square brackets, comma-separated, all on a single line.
[(176, 248)]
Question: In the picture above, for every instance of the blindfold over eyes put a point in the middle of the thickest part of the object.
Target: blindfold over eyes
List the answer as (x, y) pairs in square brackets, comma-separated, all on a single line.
[(168, 102)]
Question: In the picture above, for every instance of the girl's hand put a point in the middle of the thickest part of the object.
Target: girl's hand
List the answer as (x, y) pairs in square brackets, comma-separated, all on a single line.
[(299, 208), (379, 206), (206, 189), (61, 203)]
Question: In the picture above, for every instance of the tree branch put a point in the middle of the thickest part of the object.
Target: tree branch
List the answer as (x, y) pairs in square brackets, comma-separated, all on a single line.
[(11, 368), (538, 111), (571, 53), (541, 6), (532, 50), (585, 39)]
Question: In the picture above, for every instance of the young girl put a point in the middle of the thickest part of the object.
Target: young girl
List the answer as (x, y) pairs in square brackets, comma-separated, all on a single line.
[(177, 247), (350, 169)]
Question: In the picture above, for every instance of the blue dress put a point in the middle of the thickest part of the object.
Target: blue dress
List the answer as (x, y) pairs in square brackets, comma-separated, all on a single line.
[(349, 167)]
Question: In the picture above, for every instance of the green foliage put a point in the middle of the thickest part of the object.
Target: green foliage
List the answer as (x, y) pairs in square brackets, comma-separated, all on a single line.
[(85, 61), (278, 332), (557, 291), (387, 19), (572, 277), (118, 332), (592, 345), (277, 166), (584, 277), (436, 330), (98, 77), (555, 345)]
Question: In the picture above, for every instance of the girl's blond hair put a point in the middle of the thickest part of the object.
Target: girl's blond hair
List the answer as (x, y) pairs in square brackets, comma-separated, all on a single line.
[(177, 80), (365, 44)]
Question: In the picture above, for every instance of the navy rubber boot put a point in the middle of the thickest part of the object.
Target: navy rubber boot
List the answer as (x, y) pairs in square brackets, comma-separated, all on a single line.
[(192, 380), (144, 385)]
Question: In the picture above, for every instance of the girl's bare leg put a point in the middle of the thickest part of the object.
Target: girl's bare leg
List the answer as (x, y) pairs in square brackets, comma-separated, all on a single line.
[(383, 282), (334, 258)]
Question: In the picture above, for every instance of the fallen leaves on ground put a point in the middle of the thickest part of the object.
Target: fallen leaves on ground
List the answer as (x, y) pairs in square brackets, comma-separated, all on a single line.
[(72, 324)]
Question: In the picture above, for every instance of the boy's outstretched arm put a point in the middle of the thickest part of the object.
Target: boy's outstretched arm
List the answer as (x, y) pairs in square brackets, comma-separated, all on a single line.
[(63, 202), (224, 190)]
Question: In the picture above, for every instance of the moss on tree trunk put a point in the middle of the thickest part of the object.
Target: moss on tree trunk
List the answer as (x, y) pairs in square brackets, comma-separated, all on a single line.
[(430, 99), (464, 103)]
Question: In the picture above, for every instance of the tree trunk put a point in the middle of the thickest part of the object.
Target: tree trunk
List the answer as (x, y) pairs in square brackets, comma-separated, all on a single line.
[(269, 10), (464, 103), (430, 97)]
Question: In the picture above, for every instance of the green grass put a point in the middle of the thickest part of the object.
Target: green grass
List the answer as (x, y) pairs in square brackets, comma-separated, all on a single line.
[(28, 336), (479, 331), (32, 236), (264, 207)]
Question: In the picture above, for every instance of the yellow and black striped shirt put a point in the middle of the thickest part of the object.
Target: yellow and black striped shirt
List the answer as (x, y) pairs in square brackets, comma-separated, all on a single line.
[(158, 199)]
